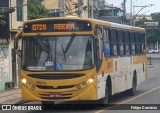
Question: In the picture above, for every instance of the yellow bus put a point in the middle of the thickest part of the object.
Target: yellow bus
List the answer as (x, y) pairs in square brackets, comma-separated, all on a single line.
[(75, 59)]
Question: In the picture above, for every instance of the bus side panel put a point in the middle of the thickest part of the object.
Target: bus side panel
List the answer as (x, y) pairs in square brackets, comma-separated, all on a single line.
[(105, 70), (122, 74), (139, 64)]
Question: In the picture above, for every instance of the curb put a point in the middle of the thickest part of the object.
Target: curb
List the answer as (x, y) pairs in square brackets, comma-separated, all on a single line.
[(20, 102), (150, 65)]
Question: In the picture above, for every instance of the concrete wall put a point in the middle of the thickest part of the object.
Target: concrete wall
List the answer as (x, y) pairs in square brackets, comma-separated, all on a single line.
[(4, 66)]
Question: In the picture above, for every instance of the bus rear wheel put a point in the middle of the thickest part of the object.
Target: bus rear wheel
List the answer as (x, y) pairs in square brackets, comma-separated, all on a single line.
[(47, 105), (105, 100), (132, 91)]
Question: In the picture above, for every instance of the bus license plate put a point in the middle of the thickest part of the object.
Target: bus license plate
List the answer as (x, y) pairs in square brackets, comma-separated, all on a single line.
[(55, 95)]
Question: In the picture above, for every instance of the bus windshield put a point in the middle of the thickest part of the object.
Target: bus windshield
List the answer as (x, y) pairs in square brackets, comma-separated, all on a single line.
[(57, 53)]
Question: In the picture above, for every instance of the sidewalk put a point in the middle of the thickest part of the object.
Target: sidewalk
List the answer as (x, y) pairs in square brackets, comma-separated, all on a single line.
[(153, 56), (150, 65), (10, 96)]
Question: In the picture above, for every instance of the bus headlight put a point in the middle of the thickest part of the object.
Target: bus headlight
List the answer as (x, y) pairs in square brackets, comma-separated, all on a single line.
[(28, 85), (90, 80), (33, 87), (84, 84), (24, 81), (78, 87)]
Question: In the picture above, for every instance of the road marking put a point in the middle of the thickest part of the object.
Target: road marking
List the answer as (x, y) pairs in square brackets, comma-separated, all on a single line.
[(138, 96)]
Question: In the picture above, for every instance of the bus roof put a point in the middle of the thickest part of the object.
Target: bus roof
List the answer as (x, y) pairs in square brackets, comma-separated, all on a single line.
[(95, 21)]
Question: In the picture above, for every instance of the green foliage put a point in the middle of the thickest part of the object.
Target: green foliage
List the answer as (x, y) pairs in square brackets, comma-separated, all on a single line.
[(36, 9), (153, 35), (2, 22), (141, 21)]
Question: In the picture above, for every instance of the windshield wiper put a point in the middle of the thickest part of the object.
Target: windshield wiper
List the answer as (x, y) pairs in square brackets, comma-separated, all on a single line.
[(63, 52), (68, 45)]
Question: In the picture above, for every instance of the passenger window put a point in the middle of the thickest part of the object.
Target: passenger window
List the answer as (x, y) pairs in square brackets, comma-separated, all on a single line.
[(120, 42), (132, 43), (126, 43), (99, 43), (107, 50), (113, 42), (137, 43)]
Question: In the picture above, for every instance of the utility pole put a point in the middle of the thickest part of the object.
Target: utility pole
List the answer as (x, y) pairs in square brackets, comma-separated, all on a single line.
[(80, 8), (90, 8), (124, 11), (131, 8), (131, 13), (61, 5)]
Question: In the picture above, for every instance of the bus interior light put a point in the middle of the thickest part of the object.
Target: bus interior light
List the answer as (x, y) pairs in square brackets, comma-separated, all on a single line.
[(24, 81)]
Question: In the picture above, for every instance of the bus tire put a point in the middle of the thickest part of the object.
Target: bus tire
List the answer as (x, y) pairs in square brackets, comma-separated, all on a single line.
[(132, 91), (105, 100), (47, 105)]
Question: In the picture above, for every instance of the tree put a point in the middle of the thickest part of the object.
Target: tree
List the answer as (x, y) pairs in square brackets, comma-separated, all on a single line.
[(36, 9), (153, 35), (141, 21), (2, 22)]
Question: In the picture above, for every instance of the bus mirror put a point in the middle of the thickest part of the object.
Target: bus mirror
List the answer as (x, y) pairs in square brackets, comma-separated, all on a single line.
[(17, 44)]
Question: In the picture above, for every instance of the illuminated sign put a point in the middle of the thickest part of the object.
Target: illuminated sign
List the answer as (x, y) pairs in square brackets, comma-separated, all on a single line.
[(63, 26), (57, 26), (39, 27)]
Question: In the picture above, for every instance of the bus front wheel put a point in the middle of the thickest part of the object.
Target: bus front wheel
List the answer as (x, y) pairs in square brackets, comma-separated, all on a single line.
[(47, 105), (105, 100)]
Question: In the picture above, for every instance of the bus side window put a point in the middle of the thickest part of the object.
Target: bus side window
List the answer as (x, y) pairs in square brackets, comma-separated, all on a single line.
[(142, 43), (126, 43), (120, 42), (132, 43), (137, 42), (106, 43), (99, 43), (113, 42)]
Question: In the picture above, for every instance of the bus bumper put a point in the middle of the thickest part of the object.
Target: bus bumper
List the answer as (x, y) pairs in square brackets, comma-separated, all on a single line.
[(88, 93)]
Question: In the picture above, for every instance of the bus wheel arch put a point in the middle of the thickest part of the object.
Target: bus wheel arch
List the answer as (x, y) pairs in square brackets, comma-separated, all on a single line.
[(109, 82), (108, 91), (132, 91)]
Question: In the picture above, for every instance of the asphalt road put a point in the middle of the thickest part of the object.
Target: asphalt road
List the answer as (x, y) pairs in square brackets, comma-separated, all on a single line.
[(147, 93)]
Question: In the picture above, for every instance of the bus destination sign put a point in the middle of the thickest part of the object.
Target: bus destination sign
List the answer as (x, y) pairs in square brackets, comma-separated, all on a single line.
[(57, 26)]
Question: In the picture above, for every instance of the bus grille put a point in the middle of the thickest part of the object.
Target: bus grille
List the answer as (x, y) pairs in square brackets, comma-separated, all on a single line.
[(51, 87), (55, 76)]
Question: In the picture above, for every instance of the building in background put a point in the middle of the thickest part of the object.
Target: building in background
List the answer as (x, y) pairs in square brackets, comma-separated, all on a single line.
[(15, 12), (109, 12), (71, 8)]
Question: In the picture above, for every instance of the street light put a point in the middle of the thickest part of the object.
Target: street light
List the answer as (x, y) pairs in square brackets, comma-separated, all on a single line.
[(7, 9), (142, 7), (134, 15)]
